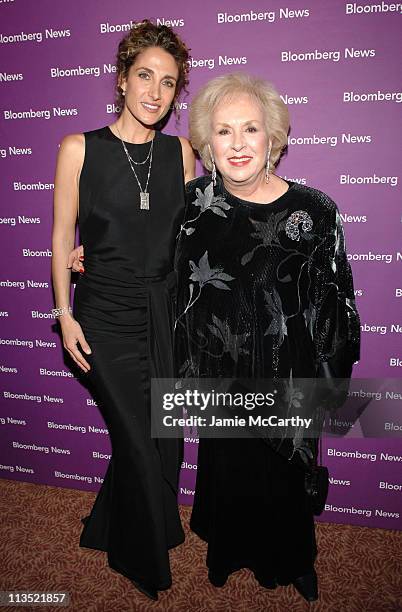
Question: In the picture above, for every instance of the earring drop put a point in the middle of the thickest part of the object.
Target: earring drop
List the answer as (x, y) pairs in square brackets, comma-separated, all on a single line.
[(267, 165), (213, 174)]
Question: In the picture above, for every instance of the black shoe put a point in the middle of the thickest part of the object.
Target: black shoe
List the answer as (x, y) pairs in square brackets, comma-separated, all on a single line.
[(216, 578), (85, 519), (307, 586), (148, 591)]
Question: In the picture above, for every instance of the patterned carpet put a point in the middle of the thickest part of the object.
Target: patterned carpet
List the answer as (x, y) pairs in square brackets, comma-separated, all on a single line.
[(359, 569)]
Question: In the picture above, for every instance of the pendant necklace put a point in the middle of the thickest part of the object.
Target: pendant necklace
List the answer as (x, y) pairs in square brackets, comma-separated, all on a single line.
[(144, 194)]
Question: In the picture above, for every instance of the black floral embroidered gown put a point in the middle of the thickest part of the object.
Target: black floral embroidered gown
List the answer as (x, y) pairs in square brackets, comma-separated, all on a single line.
[(265, 291)]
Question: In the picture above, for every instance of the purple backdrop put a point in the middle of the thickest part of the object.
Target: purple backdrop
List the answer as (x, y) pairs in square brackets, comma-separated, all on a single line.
[(335, 65)]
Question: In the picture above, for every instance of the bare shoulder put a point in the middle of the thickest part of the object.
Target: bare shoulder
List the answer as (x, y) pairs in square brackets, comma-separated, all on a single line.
[(186, 146), (73, 144), (188, 159), (72, 150)]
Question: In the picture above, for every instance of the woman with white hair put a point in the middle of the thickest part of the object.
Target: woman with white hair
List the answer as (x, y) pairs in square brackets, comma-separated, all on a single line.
[(265, 292)]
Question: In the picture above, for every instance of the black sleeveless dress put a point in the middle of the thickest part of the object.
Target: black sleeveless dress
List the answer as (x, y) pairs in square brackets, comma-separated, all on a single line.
[(124, 303)]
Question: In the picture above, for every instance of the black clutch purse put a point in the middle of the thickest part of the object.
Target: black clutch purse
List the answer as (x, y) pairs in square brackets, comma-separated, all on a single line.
[(316, 483)]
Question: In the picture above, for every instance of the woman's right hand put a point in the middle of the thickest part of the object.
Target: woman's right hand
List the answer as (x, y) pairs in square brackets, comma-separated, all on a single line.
[(76, 258), (72, 335)]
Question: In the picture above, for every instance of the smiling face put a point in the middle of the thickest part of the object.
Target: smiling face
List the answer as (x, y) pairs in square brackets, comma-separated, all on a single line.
[(239, 140), (150, 85)]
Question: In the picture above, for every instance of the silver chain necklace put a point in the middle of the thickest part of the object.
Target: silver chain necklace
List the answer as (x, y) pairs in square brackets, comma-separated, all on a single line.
[(144, 195), (135, 162)]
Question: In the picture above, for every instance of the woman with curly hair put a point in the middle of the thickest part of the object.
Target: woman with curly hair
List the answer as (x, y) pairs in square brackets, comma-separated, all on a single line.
[(125, 183)]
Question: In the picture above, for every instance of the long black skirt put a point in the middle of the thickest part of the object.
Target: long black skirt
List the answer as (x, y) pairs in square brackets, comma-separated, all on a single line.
[(251, 507), (135, 517)]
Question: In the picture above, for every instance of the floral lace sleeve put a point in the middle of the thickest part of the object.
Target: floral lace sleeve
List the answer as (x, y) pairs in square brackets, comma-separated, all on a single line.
[(334, 320)]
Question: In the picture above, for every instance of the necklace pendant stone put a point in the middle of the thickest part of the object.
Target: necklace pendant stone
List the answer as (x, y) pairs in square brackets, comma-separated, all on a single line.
[(144, 203)]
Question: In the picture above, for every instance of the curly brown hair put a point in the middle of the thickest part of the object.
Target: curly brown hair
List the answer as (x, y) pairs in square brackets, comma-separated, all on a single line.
[(142, 35)]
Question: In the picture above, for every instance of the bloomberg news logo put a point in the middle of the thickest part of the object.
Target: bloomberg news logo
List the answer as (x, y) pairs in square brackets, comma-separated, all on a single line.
[(23, 37), (263, 16)]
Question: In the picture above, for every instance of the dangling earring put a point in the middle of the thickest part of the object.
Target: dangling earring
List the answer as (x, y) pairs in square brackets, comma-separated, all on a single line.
[(213, 174), (267, 164), (123, 93)]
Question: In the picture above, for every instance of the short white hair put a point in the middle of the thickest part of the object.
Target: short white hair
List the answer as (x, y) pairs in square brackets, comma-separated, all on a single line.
[(228, 87)]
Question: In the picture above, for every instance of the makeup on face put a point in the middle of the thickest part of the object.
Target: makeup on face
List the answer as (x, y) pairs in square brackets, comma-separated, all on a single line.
[(239, 140), (151, 85)]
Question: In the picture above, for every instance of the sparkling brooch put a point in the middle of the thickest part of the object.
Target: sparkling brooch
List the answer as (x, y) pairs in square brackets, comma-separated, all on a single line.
[(292, 224)]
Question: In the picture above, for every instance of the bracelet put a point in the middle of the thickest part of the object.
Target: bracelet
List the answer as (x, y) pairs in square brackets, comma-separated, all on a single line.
[(57, 312)]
